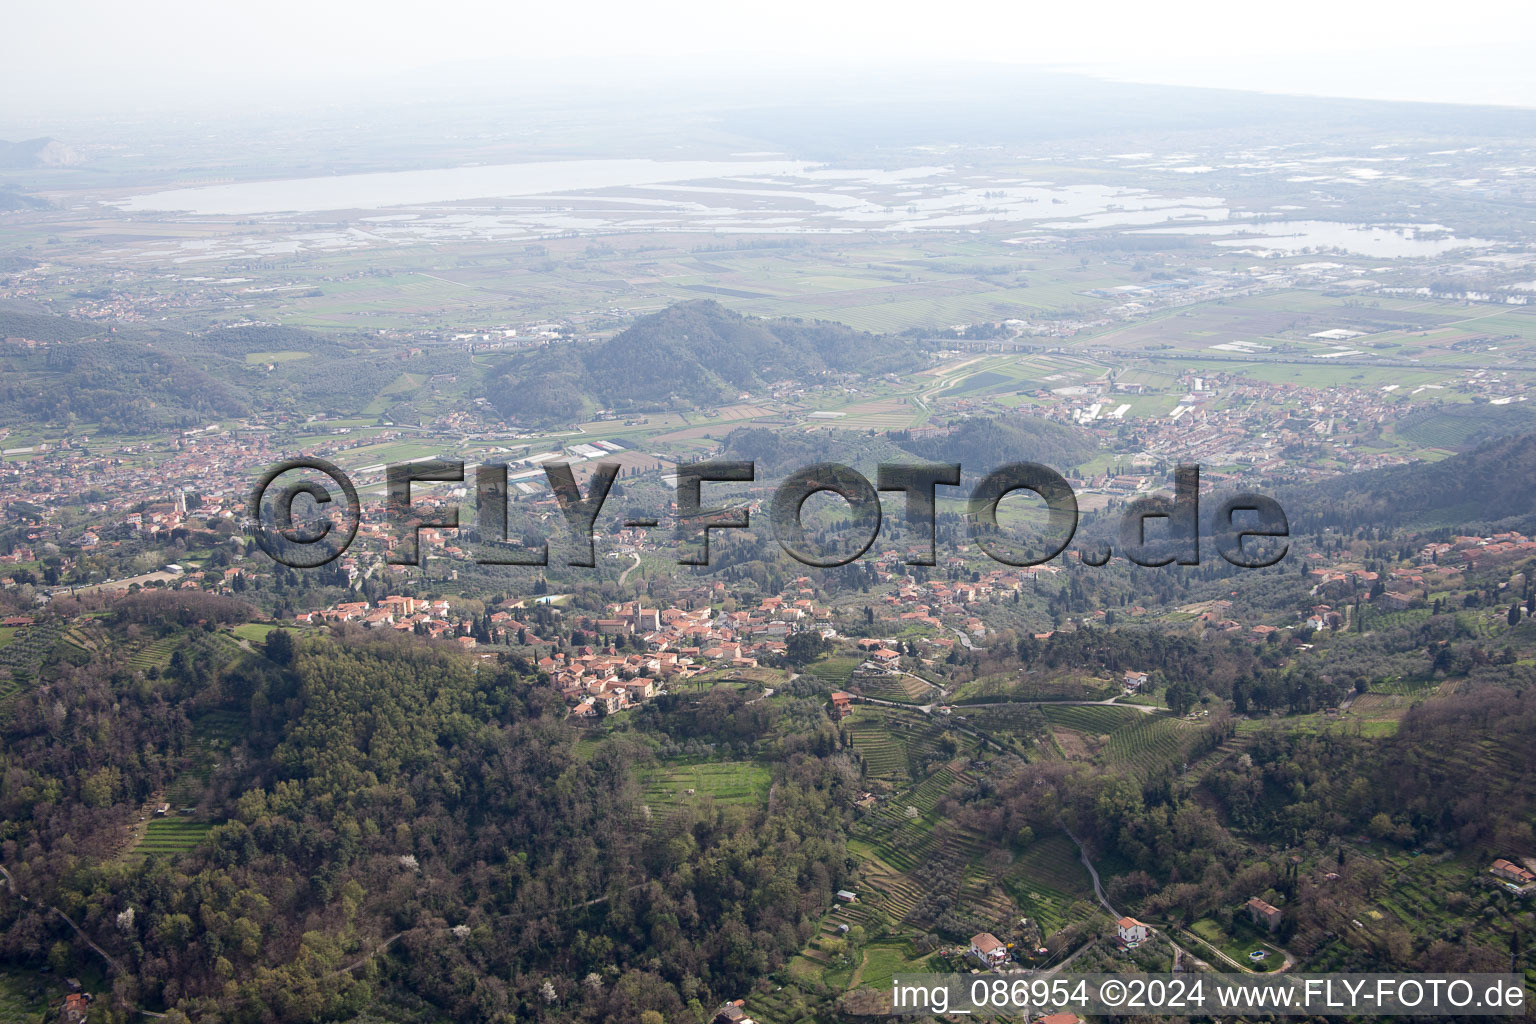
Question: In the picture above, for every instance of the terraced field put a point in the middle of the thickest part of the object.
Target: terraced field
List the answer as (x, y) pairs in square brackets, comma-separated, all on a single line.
[(1021, 721), (218, 727), (786, 1004), (76, 638), (1405, 687), (1152, 743), (1458, 426), (884, 959), (1092, 719), (903, 689), (1047, 879), (1140, 743), (906, 833), (169, 837), (20, 659), (884, 756), (1011, 686), (834, 670), (155, 654), (898, 745), (917, 865), (889, 894)]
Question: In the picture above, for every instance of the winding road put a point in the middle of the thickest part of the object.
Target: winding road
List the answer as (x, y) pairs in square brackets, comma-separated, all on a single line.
[(1098, 891), (623, 576), (10, 883), (965, 639)]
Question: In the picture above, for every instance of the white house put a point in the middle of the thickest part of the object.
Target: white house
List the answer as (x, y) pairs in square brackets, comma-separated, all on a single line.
[(1132, 930), (988, 949)]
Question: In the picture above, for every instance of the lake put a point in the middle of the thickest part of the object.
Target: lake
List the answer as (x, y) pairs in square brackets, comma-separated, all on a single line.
[(440, 185)]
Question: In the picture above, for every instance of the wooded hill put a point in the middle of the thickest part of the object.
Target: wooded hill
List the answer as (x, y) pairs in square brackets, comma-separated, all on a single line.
[(686, 356)]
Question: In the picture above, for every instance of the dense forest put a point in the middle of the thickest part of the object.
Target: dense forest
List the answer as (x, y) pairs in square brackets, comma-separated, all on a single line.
[(122, 385), (981, 444), (1490, 483), (387, 790)]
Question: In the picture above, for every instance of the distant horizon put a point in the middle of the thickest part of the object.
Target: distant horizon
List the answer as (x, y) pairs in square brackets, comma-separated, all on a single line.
[(474, 89), (175, 58)]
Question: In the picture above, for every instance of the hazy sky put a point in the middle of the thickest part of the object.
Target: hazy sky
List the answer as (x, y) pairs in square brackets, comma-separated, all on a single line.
[(85, 56)]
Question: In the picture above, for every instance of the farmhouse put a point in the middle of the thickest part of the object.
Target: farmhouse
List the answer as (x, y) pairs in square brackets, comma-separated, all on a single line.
[(842, 703), (76, 1007), (732, 1013), (1511, 872), (1131, 930), (1263, 913), (988, 949)]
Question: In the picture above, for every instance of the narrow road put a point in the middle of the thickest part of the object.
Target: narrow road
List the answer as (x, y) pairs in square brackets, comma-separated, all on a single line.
[(632, 567), (928, 709), (1098, 889), (1288, 960), (965, 639), (10, 883), (140, 827), (88, 940), (375, 951), (1098, 892), (1079, 951), (1110, 702)]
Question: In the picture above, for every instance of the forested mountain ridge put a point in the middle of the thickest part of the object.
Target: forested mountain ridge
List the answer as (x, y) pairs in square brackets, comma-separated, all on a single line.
[(1493, 482), (118, 384), (137, 378)]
